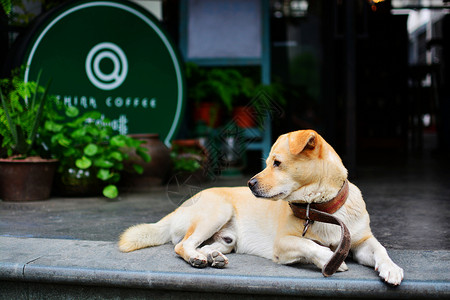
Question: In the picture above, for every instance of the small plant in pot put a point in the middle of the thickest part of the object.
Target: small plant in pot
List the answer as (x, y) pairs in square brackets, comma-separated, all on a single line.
[(89, 152), (26, 172), (189, 160), (221, 93), (213, 91)]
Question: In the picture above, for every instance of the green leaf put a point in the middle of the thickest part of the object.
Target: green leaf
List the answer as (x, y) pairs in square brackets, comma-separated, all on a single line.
[(78, 133), (72, 111), (110, 191), (104, 174), (105, 133), (103, 163), (90, 150), (69, 152), (139, 169), (7, 5), (65, 142), (36, 91), (12, 127), (134, 143), (93, 130), (116, 155), (83, 163), (118, 141), (61, 139), (52, 126), (143, 153), (94, 115), (37, 118)]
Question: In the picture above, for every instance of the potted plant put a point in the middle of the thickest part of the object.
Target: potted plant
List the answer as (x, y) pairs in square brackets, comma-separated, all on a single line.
[(256, 102), (213, 89), (155, 172), (229, 92), (26, 174), (90, 152), (189, 160)]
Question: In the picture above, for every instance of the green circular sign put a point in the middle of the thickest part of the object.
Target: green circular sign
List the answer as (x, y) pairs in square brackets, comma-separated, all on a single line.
[(111, 56)]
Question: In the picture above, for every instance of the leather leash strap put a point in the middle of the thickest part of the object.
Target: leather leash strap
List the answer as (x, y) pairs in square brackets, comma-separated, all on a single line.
[(306, 212)]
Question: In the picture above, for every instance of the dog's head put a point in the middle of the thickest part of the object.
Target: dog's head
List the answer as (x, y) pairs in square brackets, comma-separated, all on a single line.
[(301, 167)]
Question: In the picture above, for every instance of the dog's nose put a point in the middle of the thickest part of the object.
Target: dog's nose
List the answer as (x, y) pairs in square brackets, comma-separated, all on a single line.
[(252, 182)]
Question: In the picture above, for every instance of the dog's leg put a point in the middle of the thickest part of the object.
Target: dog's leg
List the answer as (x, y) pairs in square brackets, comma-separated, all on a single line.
[(371, 253), (293, 249), (205, 226), (187, 247), (215, 254), (224, 242), (199, 257)]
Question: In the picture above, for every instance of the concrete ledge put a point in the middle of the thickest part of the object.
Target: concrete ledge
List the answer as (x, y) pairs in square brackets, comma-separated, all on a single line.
[(100, 264)]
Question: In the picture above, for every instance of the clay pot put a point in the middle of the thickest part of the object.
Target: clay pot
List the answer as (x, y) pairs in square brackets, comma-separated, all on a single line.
[(155, 172), (208, 113), (244, 116), (28, 179)]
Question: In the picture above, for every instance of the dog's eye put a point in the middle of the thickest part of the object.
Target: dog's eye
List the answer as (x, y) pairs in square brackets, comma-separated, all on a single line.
[(276, 163)]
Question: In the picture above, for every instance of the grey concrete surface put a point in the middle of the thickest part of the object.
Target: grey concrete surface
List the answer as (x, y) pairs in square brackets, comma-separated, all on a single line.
[(409, 205), (101, 264), (71, 242)]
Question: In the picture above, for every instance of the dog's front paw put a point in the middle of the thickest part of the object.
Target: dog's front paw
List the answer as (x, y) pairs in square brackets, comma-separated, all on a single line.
[(390, 272), (343, 267), (198, 261), (324, 256), (217, 260)]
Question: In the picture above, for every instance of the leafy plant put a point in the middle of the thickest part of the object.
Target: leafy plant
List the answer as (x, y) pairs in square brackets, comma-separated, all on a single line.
[(85, 142), (21, 13), (224, 85), (6, 5), (229, 86), (186, 159), (21, 113)]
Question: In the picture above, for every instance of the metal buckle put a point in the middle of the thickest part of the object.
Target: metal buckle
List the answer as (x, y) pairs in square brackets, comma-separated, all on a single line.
[(308, 220)]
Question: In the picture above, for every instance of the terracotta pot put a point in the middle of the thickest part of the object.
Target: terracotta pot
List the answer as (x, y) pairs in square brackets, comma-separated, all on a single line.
[(244, 116), (155, 172), (26, 180), (185, 145), (209, 113)]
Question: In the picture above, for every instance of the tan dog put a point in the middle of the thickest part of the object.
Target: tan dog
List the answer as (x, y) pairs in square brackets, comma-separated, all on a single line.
[(301, 167)]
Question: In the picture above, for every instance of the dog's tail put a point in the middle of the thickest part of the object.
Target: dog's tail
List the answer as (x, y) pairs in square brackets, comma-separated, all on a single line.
[(146, 235)]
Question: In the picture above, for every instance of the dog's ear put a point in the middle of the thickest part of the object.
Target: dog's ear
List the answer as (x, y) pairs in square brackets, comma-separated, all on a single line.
[(301, 140)]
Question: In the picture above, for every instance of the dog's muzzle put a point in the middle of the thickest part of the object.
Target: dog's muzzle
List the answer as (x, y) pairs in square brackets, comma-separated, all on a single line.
[(253, 185), (259, 191)]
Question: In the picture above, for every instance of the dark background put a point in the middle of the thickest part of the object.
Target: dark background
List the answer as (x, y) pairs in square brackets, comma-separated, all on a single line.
[(347, 75)]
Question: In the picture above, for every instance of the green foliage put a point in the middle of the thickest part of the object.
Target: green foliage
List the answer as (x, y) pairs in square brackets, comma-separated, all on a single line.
[(228, 86), (186, 159), (20, 13), (111, 191), (6, 5), (217, 84), (84, 141), (33, 123), (23, 107)]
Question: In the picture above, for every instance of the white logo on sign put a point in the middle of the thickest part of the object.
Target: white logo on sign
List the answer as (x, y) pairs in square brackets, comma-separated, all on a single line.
[(95, 74)]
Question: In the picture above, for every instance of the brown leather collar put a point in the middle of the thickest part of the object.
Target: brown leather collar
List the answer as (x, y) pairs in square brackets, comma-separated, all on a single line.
[(322, 212), (329, 207)]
